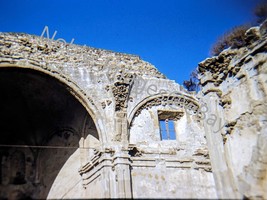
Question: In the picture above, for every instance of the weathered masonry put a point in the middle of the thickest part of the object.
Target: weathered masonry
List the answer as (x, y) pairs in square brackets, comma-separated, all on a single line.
[(234, 85), (79, 122)]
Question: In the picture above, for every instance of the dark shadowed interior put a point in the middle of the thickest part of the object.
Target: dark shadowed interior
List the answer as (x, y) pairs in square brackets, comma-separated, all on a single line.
[(41, 126)]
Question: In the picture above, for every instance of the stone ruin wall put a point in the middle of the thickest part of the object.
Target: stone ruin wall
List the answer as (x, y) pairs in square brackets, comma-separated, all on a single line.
[(234, 86), (120, 153), (123, 96)]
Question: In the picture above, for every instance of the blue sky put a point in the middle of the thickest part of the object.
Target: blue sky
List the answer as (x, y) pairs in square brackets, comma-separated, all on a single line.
[(173, 35)]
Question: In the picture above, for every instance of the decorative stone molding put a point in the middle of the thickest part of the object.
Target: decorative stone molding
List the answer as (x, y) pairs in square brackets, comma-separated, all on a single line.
[(177, 100), (93, 162), (169, 114), (121, 89)]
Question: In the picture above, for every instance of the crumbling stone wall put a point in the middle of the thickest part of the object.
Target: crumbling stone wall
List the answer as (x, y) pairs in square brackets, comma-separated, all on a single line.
[(170, 168), (234, 87), (220, 144), (123, 155)]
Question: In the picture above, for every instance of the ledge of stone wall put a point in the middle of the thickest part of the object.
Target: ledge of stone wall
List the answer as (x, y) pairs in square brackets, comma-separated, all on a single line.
[(56, 53), (228, 63)]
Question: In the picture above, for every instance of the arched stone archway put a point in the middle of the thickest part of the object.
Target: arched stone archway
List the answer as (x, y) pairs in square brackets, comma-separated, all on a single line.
[(171, 99), (70, 85), (47, 125)]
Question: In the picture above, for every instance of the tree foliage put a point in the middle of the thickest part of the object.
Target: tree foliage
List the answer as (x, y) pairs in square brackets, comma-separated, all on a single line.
[(193, 83)]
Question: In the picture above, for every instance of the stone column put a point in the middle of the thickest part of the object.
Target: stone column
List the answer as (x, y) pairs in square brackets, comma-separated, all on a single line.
[(121, 127), (122, 166), (222, 174)]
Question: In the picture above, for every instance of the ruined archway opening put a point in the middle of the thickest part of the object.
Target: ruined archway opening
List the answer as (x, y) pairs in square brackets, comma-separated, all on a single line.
[(42, 125)]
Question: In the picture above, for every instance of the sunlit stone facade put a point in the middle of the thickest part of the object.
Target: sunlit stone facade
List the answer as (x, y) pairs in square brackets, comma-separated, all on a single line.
[(79, 122)]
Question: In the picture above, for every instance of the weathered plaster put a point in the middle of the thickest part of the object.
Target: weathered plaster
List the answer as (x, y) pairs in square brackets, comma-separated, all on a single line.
[(115, 147)]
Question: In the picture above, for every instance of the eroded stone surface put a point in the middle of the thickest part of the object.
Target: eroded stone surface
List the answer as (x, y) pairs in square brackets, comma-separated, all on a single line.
[(234, 85), (91, 123)]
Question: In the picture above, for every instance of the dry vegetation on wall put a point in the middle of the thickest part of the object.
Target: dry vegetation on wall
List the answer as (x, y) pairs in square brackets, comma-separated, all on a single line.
[(261, 12), (235, 38)]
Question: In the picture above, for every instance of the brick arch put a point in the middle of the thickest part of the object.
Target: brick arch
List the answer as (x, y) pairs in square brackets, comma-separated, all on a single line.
[(86, 101)]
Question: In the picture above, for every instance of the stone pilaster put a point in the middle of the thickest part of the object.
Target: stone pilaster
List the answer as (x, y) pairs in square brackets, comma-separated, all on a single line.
[(223, 176), (121, 166)]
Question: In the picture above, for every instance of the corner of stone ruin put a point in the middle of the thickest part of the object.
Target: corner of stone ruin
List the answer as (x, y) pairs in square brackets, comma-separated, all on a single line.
[(234, 86)]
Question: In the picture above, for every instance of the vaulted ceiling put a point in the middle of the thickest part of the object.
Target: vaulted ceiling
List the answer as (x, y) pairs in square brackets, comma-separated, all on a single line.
[(34, 105)]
